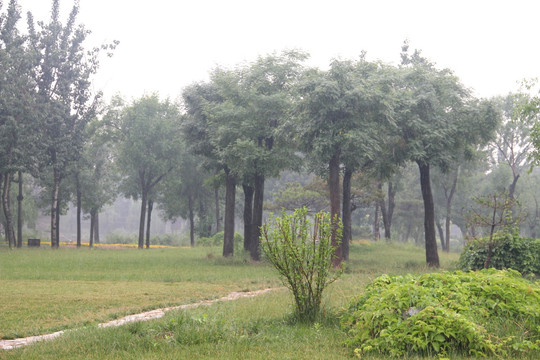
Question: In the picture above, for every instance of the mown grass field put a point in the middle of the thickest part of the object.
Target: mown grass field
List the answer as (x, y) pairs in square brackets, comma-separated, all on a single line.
[(42, 290)]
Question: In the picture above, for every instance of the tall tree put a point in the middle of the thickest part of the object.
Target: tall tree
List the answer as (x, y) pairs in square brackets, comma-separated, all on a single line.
[(340, 110), (437, 120), (151, 141), (64, 96)]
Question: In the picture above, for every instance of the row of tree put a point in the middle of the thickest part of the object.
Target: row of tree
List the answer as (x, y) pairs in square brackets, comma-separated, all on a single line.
[(356, 119)]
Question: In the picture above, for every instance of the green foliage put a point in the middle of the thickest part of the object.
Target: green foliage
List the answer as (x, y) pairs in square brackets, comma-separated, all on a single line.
[(510, 251), (217, 239), (302, 257), (440, 312)]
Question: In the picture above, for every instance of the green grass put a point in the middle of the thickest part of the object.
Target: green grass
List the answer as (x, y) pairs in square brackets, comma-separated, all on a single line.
[(255, 328)]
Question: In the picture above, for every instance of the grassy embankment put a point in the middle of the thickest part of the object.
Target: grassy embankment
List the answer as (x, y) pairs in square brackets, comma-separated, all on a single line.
[(43, 290)]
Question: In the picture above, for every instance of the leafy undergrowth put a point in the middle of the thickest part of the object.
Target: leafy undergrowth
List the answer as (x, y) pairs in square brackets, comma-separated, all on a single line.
[(485, 313)]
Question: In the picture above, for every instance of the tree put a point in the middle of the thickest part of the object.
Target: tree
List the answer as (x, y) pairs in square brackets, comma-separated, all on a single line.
[(339, 109), (437, 120), (151, 141), (18, 132), (64, 97)]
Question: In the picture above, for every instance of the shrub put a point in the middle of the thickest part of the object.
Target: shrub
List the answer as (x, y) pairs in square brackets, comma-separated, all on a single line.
[(509, 251), (121, 238), (442, 312), (217, 239), (302, 257)]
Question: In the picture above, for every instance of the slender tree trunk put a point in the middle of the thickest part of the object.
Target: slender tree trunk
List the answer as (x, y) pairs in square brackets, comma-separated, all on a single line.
[(347, 212), (376, 222), (55, 209), (230, 196), (92, 226), (6, 202), (218, 219), (335, 198), (258, 200), (191, 207), (96, 228), (432, 256), (142, 218), (441, 234), (58, 221), (79, 209), (20, 199), (512, 187), (391, 206), (149, 220), (248, 215), (384, 213), (448, 219)]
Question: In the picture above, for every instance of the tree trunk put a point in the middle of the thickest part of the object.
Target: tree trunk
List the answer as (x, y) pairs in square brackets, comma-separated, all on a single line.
[(248, 215), (218, 219), (230, 196), (512, 187), (432, 256), (79, 209), (258, 200), (408, 234), (96, 228), (20, 199), (6, 202), (441, 234), (347, 211), (448, 219), (335, 198), (142, 218), (191, 221), (391, 205), (92, 227), (384, 213), (149, 220), (55, 209), (376, 222)]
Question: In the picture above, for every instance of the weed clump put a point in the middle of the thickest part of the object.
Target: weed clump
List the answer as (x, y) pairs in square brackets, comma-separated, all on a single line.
[(439, 313)]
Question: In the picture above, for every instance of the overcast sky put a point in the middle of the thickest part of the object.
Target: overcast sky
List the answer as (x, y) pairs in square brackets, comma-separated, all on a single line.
[(168, 44)]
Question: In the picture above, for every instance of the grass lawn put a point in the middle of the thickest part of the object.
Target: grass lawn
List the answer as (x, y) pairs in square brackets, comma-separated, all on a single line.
[(45, 290)]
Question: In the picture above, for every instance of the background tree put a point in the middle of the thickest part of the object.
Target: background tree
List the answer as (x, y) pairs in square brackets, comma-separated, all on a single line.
[(151, 141)]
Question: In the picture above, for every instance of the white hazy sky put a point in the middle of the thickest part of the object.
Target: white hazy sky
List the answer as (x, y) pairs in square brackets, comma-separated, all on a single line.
[(168, 44)]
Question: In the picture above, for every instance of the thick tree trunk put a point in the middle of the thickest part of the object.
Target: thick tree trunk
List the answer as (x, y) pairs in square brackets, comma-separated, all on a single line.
[(258, 199), (248, 215), (347, 212), (20, 199), (335, 199), (6, 202), (149, 220), (55, 210), (230, 196), (142, 218), (191, 221), (432, 256), (79, 209)]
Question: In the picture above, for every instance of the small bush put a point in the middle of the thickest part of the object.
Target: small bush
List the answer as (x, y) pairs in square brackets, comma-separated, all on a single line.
[(440, 313), (217, 240), (510, 251), (121, 238), (303, 257)]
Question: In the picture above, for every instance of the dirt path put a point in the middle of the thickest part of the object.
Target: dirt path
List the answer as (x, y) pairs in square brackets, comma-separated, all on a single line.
[(149, 315)]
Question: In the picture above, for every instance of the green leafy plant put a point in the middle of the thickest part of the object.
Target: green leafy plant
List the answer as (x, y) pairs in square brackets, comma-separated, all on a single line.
[(509, 251), (439, 313), (302, 252)]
